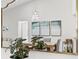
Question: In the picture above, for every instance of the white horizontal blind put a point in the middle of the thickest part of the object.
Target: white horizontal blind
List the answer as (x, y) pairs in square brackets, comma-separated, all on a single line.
[(55, 27), (35, 28), (44, 28)]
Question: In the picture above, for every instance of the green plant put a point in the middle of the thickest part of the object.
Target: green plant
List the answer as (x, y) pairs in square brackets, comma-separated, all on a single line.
[(35, 39), (40, 45), (18, 50)]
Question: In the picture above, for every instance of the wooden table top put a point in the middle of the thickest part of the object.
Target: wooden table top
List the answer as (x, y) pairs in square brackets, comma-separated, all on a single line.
[(50, 43), (47, 43)]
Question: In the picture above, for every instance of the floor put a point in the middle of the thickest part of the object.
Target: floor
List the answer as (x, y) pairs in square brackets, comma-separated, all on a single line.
[(39, 55)]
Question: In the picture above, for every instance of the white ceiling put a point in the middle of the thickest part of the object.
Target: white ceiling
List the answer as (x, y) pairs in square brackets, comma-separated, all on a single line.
[(16, 3)]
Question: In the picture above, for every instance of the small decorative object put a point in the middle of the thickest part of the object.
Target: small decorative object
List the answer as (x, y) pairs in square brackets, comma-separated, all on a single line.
[(18, 50), (5, 28), (70, 46), (65, 46)]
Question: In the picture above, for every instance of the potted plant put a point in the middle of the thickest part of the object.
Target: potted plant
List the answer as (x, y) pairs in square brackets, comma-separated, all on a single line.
[(37, 43), (35, 39), (18, 50), (40, 45)]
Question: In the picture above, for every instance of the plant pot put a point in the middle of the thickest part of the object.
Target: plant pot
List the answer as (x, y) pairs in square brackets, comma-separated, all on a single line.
[(12, 56), (15, 57), (25, 56)]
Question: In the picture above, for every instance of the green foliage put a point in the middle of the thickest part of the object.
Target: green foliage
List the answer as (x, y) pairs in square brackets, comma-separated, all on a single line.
[(18, 49), (40, 45), (35, 39)]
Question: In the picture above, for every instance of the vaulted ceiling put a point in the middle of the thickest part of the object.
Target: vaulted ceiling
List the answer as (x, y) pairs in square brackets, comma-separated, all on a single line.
[(13, 4)]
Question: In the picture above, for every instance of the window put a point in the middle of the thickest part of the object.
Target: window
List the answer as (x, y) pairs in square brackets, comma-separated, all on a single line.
[(46, 28), (55, 27), (35, 28)]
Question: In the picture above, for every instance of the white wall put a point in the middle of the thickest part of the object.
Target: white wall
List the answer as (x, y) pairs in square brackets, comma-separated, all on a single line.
[(48, 10), (10, 21)]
